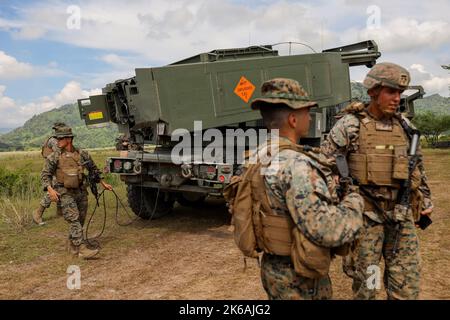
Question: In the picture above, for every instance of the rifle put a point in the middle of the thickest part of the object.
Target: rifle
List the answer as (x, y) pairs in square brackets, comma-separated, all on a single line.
[(93, 178), (403, 206), (345, 180), (348, 184)]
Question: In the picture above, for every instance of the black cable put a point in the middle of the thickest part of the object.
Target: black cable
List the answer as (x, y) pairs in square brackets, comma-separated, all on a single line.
[(132, 219), (93, 240)]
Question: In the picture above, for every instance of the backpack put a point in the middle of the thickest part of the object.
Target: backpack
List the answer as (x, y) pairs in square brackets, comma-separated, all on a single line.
[(46, 150), (257, 229)]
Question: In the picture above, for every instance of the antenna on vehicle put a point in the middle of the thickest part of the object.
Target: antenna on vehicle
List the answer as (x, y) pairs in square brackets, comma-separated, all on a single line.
[(293, 42)]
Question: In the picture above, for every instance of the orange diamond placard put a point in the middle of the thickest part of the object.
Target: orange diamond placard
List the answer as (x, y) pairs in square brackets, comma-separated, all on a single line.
[(244, 89)]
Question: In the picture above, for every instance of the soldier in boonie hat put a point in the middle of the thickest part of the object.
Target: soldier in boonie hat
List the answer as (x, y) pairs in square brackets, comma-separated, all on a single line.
[(68, 166), (63, 132), (58, 125), (50, 145), (296, 230), (286, 91)]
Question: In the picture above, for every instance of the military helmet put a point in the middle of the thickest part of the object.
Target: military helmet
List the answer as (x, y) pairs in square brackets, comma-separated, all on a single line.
[(389, 75), (286, 91), (63, 132)]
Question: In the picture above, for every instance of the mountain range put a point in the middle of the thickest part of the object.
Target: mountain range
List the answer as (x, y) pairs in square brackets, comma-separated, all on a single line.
[(37, 129)]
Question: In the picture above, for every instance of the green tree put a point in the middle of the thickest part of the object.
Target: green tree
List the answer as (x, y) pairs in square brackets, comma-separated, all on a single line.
[(432, 125)]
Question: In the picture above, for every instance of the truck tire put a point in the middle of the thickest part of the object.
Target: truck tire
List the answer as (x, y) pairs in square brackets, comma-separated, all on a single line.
[(142, 201), (190, 199)]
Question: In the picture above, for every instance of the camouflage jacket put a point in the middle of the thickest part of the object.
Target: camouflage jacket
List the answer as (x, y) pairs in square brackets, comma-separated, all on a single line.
[(344, 138), (51, 164), (52, 143), (297, 186)]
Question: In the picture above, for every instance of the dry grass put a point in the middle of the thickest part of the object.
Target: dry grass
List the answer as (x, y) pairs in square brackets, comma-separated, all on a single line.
[(15, 214), (17, 204)]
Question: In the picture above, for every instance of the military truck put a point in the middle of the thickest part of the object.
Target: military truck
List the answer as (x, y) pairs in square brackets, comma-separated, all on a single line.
[(211, 90)]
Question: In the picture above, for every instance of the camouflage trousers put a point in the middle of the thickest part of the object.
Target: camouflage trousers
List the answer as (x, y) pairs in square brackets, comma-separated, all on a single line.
[(74, 203), (46, 202), (402, 270), (281, 282)]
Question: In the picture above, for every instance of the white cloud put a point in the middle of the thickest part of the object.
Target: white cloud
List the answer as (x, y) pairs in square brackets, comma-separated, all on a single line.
[(418, 67), (11, 69), (5, 102), (430, 82), (119, 62), (405, 34), (30, 32), (17, 113), (165, 32), (70, 93)]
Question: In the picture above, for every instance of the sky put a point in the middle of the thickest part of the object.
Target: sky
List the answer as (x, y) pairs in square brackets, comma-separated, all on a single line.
[(54, 52)]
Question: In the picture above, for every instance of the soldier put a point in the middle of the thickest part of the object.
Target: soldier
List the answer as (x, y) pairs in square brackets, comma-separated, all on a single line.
[(122, 142), (374, 140), (50, 145), (70, 189), (297, 188)]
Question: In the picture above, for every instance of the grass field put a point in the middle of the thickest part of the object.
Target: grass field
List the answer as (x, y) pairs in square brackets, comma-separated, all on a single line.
[(189, 254)]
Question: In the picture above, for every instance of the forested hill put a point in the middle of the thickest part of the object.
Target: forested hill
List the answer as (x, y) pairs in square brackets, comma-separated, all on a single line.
[(434, 103), (36, 130)]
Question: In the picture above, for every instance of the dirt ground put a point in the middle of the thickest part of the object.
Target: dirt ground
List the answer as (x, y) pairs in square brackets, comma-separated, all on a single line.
[(189, 254)]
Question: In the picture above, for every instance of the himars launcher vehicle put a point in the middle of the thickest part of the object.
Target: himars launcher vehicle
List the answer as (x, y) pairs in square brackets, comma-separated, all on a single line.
[(215, 88)]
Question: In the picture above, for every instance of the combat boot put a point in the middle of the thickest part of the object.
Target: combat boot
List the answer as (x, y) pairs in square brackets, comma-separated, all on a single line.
[(37, 215), (59, 212), (71, 248), (86, 253)]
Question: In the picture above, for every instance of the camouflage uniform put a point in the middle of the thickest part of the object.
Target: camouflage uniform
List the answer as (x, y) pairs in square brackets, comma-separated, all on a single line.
[(74, 202), (296, 187), (401, 277), (281, 282), (52, 143)]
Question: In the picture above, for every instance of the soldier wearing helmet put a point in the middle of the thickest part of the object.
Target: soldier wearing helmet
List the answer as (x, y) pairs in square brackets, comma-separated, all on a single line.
[(301, 222), (50, 145), (67, 165), (373, 139)]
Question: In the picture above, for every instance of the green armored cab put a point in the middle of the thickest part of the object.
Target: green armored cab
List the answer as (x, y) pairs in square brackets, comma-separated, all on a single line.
[(209, 91)]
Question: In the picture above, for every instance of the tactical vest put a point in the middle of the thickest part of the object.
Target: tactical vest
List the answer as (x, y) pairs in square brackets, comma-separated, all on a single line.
[(257, 228), (381, 158), (69, 171), (46, 150)]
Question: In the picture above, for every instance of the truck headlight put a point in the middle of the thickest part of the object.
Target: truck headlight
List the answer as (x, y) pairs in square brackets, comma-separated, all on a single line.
[(127, 165), (117, 165)]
